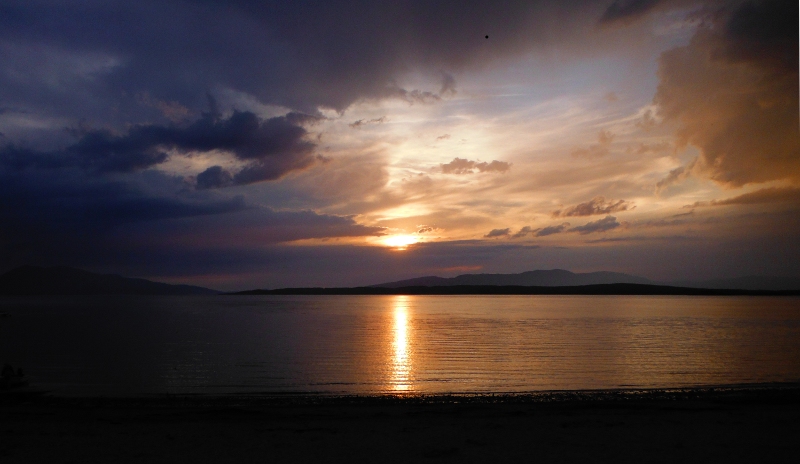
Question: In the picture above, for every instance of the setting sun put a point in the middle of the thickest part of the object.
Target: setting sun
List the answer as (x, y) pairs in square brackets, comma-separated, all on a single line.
[(400, 242)]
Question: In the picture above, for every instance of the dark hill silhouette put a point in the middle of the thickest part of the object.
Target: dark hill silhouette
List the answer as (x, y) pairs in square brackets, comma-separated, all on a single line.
[(541, 278), (563, 278), (598, 289), (33, 280)]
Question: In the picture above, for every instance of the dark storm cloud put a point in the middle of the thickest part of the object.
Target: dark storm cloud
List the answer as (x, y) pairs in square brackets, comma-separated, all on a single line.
[(90, 57), (764, 32), (69, 199), (597, 205), (98, 151), (465, 166), (601, 225), (69, 217), (273, 147), (733, 94), (94, 201), (214, 177)]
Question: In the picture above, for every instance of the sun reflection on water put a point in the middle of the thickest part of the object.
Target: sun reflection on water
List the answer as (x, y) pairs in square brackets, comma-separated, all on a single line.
[(401, 358)]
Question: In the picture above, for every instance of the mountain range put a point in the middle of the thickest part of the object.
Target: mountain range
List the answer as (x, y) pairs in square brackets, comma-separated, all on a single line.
[(563, 278), (33, 280)]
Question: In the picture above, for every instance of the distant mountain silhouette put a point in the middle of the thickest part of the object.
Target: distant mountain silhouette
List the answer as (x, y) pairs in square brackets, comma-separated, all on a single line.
[(32, 280), (562, 278), (542, 278), (598, 289)]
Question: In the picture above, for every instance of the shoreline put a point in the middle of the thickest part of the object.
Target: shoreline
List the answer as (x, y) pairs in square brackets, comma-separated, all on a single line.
[(30, 392), (706, 424)]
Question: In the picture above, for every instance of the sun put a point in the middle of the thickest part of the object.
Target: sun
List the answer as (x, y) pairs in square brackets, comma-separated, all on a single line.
[(400, 242)]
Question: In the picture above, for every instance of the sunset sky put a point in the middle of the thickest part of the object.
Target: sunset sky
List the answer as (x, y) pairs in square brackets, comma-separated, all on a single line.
[(244, 144)]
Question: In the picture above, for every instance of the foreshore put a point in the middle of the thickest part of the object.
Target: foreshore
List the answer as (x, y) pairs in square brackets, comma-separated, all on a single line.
[(742, 424)]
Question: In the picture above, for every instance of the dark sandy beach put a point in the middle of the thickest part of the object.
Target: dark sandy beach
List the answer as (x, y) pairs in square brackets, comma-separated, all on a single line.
[(754, 424)]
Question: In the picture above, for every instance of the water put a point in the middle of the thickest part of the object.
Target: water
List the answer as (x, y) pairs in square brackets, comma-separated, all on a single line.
[(394, 344)]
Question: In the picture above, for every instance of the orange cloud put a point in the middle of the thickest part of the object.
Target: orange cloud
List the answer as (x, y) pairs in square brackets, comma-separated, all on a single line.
[(733, 94), (597, 205), (766, 195)]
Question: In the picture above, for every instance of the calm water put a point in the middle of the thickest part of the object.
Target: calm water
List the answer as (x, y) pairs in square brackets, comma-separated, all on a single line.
[(379, 344)]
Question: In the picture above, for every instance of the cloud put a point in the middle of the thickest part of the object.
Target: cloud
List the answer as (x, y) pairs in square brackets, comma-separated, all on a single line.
[(425, 97), (676, 176), (448, 85), (363, 122), (761, 32), (171, 110), (682, 220), (301, 56), (498, 233), (552, 230), (523, 232), (465, 166), (601, 225), (598, 150), (270, 147), (214, 177), (765, 195), (733, 94), (690, 213), (70, 217), (423, 229), (648, 148), (623, 11), (443, 137), (596, 205), (649, 120), (59, 203), (671, 238)]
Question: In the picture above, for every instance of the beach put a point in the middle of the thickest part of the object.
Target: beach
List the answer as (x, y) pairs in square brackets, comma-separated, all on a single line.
[(740, 424)]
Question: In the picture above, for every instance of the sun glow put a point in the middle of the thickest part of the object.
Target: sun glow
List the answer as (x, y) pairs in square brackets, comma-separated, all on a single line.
[(400, 242)]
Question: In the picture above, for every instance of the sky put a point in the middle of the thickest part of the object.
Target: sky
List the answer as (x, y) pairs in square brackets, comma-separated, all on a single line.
[(260, 144)]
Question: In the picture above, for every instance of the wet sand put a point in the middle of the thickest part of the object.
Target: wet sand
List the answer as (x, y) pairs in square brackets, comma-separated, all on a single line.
[(697, 425)]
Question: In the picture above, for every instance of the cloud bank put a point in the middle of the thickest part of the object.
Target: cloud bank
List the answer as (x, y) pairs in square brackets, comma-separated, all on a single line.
[(733, 93)]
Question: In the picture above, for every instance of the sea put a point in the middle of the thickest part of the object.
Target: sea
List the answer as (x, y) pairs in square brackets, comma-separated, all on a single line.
[(120, 346)]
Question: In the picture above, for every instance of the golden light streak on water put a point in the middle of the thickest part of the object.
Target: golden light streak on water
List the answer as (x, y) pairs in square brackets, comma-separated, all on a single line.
[(401, 355)]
